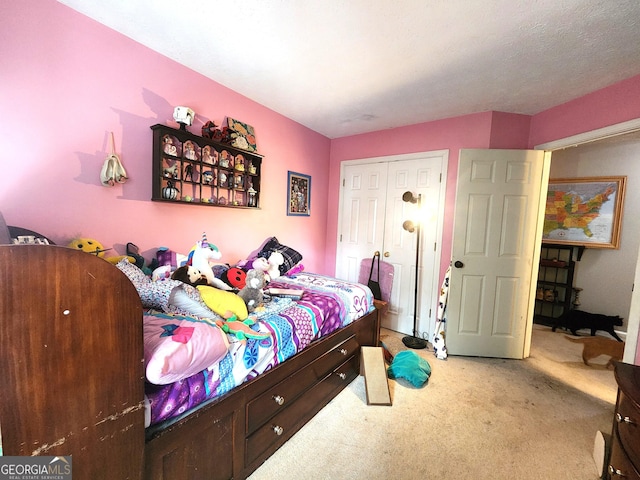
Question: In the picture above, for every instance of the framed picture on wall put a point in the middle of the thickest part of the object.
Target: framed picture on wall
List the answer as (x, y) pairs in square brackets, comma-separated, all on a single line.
[(298, 194), (584, 211)]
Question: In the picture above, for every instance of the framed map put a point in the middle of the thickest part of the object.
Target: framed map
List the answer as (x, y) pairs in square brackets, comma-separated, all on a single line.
[(584, 211)]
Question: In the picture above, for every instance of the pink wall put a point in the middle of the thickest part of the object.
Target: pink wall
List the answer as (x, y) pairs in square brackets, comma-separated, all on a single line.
[(68, 81), (617, 103), (480, 130)]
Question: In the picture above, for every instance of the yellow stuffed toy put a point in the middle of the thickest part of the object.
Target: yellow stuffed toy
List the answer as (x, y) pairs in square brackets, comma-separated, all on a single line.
[(94, 247), (224, 303)]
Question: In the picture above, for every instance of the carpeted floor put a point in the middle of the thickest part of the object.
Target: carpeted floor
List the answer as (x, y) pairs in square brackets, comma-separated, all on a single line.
[(477, 418)]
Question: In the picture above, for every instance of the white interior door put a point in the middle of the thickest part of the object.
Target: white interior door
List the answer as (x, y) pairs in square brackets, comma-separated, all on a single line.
[(496, 242), (371, 216)]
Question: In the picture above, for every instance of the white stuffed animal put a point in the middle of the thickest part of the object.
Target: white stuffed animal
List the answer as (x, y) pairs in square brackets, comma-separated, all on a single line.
[(439, 348), (275, 260), (202, 256)]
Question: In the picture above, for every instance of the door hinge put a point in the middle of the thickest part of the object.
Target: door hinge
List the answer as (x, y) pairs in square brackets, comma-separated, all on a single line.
[(440, 177), (429, 313), (341, 237), (435, 246), (343, 182)]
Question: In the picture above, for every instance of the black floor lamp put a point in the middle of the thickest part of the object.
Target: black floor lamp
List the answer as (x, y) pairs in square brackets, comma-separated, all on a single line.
[(413, 341)]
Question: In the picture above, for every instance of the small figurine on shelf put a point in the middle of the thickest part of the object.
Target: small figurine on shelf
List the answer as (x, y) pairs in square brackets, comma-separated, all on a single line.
[(224, 159), (184, 116), (252, 196), (223, 179), (207, 157), (171, 172), (189, 151), (207, 177), (252, 168), (170, 192), (169, 148), (238, 181), (208, 129), (188, 172)]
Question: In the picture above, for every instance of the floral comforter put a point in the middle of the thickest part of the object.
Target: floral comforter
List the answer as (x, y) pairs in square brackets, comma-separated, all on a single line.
[(327, 304)]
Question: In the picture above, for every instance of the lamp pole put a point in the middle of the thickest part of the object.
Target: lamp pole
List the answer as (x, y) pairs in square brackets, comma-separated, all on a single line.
[(414, 341)]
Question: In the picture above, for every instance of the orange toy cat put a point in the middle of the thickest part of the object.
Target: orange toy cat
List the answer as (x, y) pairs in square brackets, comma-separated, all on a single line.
[(596, 346)]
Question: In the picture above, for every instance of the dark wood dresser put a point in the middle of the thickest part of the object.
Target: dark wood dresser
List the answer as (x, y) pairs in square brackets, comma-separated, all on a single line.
[(624, 461)]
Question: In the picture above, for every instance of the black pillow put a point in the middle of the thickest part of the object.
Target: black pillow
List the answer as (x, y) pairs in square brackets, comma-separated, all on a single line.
[(291, 257)]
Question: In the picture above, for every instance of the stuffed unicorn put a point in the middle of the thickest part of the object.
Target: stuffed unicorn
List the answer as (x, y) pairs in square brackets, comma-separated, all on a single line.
[(201, 256)]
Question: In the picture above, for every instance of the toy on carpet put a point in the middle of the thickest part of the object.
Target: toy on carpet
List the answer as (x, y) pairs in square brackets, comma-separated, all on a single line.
[(410, 366), (252, 293), (439, 348), (201, 256), (189, 275), (94, 247), (241, 329)]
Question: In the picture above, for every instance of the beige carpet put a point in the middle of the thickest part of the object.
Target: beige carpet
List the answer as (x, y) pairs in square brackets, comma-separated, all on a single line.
[(476, 419)]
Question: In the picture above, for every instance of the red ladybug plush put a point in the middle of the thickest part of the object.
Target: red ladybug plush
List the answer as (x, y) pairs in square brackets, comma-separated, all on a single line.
[(235, 277)]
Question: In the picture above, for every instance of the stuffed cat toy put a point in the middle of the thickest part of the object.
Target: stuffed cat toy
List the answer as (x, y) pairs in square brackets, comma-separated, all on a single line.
[(575, 320), (595, 346)]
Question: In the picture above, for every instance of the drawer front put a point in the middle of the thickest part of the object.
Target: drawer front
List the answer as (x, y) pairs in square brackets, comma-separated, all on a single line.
[(290, 419), (278, 397), (627, 420), (620, 466)]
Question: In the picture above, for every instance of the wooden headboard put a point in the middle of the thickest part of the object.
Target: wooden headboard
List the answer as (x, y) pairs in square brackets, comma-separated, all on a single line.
[(71, 357)]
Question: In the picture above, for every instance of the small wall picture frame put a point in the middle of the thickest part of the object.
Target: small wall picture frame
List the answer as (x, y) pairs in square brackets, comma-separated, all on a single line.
[(298, 194)]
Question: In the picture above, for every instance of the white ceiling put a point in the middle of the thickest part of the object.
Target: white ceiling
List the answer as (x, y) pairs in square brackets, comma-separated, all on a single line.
[(343, 67)]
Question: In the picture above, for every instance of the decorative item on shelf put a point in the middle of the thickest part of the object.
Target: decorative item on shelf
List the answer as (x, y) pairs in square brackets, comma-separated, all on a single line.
[(252, 168), (222, 179), (225, 159), (244, 136), (238, 181), (184, 116), (207, 177), (550, 295), (576, 300), (188, 172), (208, 156), (252, 196), (190, 151), (414, 341), (170, 192), (170, 171), (208, 129), (168, 146), (239, 163)]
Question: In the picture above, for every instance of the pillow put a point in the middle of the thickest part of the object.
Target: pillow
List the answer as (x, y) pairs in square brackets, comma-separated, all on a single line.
[(176, 347), (186, 300), (291, 257), (152, 294), (410, 366)]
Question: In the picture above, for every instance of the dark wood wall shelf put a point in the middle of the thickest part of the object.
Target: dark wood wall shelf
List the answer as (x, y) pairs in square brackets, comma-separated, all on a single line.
[(195, 170)]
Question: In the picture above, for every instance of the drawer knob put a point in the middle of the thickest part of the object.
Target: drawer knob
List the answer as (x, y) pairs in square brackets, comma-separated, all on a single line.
[(621, 419), (615, 471), (277, 429), (344, 351), (278, 399), (342, 376)]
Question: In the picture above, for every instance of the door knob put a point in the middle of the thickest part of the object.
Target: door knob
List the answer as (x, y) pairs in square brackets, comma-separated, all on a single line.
[(386, 254), (458, 264)]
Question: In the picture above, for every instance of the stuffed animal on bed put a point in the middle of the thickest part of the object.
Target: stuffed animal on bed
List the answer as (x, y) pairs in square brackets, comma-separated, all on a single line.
[(202, 256), (189, 275), (223, 303), (242, 330), (96, 248), (252, 293)]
